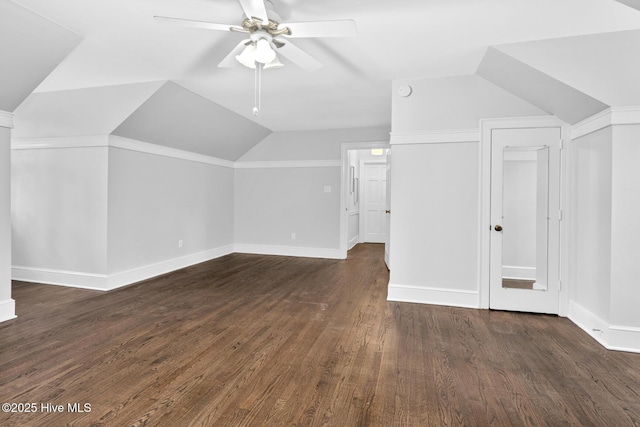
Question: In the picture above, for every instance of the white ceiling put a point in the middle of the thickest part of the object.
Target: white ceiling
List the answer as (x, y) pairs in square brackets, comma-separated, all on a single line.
[(397, 39)]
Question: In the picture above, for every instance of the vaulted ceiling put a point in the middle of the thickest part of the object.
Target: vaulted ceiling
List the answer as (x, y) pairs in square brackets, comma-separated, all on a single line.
[(573, 44)]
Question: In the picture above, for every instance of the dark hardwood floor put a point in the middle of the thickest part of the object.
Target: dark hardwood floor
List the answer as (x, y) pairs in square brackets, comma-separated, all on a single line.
[(249, 340)]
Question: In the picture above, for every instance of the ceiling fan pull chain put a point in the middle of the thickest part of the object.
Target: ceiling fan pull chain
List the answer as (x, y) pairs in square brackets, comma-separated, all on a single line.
[(257, 97), (259, 67), (256, 110)]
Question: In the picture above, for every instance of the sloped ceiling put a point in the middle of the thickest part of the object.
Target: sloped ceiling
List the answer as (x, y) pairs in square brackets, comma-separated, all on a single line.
[(90, 111), (631, 3), (539, 89), (176, 117), (396, 40), (27, 56), (311, 145), (603, 66)]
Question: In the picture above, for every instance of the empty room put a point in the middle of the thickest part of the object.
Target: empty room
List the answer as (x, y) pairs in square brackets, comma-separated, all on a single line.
[(340, 213)]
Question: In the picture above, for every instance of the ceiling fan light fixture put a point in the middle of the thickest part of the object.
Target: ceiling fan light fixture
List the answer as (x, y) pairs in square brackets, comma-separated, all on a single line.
[(273, 64), (263, 52), (248, 56)]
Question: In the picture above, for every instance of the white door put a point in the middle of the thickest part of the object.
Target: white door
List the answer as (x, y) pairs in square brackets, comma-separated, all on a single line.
[(387, 244), (525, 219), (375, 204)]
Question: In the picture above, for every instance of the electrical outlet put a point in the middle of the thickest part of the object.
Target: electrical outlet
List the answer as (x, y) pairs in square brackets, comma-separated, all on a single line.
[(180, 243)]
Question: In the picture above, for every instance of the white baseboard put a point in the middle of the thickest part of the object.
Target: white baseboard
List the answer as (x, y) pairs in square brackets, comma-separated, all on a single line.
[(435, 296), (288, 251), (354, 241), (103, 282), (129, 277), (73, 279), (611, 337), (7, 310)]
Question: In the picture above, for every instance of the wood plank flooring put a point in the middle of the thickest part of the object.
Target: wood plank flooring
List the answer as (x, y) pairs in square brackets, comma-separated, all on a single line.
[(250, 340)]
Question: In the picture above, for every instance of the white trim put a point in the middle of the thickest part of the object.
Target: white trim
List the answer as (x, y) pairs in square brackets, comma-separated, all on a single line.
[(295, 251), (591, 124), (6, 120), (625, 115), (135, 275), (624, 338), (520, 122), (436, 137), (610, 116), (103, 282), (59, 142), (7, 310), (160, 150), (356, 239), (611, 337), (73, 279), (114, 141), (288, 164), (434, 296)]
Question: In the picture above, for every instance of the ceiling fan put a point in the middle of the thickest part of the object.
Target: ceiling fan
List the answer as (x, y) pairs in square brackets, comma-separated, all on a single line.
[(267, 35)]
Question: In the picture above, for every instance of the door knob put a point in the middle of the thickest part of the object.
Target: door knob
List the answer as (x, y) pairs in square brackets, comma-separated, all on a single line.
[(387, 211), (498, 227)]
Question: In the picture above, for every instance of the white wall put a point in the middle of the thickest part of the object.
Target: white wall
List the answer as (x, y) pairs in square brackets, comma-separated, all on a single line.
[(100, 213), (453, 103), (155, 201), (59, 210), (435, 185), (591, 221), (7, 305), (625, 227), (273, 203), (434, 223), (280, 190), (604, 212)]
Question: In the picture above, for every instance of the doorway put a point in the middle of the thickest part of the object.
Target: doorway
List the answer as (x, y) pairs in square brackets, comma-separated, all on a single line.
[(521, 219), (364, 195)]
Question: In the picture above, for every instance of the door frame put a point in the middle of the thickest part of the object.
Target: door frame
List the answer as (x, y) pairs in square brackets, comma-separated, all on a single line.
[(484, 219), (344, 186)]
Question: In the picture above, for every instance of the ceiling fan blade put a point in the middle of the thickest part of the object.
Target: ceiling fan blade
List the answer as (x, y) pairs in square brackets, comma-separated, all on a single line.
[(197, 24), (299, 57), (342, 28), (230, 61), (254, 8)]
